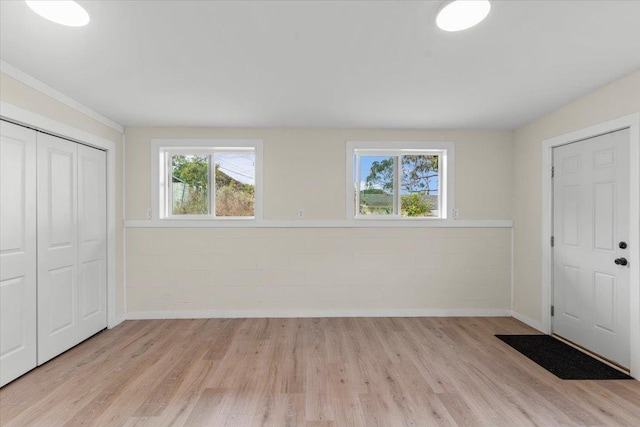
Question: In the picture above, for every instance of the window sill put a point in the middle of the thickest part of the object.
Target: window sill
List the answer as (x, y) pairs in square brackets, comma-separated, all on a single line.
[(396, 218), (302, 223), (209, 218)]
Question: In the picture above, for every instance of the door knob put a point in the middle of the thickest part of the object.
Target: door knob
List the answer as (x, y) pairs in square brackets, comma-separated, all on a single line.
[(621, 261)]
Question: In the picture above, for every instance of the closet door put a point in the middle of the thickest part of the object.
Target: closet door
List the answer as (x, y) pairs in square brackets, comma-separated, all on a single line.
[(57, 246), (92, 241), (17, 251)]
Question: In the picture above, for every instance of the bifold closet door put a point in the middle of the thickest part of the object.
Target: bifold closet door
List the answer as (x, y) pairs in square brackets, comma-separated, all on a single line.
[(17, 251), (53, 233), (92, 241), (72, 269), (57, 246)]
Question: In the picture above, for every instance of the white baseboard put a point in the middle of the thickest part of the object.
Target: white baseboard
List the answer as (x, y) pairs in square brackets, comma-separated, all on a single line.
[(206, 314), (119, 319), (535, 324)]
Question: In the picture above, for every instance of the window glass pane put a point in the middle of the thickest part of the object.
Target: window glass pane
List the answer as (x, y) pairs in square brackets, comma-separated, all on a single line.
[(355, 183), (189, 185), (235, 175), (376, 185), (419, 188)]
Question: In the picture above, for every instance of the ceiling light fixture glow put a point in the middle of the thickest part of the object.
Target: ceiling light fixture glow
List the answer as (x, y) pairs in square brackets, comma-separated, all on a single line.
[(65, 12), (459, 15)]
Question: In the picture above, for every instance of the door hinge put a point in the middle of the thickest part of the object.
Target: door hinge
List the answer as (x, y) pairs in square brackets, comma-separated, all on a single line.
[(552, 311), (553, 241), (553, 171)]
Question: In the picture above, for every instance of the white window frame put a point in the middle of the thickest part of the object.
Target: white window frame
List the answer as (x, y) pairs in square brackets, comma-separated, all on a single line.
[(446, 151), (163, 149)]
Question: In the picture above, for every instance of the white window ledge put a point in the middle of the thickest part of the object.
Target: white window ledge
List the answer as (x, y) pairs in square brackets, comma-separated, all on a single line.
[(230, 223)]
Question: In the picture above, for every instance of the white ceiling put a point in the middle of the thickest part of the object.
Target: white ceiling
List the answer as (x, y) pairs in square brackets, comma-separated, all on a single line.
[(325, 64)]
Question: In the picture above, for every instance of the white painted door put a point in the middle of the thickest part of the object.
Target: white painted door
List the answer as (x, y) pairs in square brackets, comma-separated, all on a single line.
[(590, 220), (17, 251), (92, 241), (57, 246)]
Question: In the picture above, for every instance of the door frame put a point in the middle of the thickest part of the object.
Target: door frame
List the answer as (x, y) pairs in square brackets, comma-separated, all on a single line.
[(20, 116), (632, 122)]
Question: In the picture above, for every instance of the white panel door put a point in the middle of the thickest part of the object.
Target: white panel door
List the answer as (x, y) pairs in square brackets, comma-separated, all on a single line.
[(591, 229), (17, 251), (57, 246), (92, 241)]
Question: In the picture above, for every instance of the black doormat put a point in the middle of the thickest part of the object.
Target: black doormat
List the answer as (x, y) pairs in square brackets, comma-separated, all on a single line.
[(561, 359)]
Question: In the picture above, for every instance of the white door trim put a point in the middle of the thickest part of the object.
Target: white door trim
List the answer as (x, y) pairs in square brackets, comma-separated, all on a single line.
[(27, 118), (633, 123)]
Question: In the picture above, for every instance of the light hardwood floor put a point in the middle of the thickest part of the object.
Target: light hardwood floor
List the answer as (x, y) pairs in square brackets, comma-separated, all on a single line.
[(309, 372)]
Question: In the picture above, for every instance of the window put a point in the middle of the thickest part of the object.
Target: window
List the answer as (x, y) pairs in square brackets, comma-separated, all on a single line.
[(207, 179), (395, 180)]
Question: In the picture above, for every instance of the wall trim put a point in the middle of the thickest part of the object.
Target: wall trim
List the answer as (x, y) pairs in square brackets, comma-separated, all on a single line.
[(124, 230), (286, 313), (36, 84), (632, 122), (35, 121), (511, 265), (237, 314), (121, 318), (528, 321), (221, 223)]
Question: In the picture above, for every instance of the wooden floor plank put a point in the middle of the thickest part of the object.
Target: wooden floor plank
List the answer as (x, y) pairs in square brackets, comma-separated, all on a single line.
[(309, 372)]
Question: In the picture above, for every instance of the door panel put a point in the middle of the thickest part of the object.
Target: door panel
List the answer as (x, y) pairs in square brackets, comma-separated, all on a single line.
[(571, 287), (90, 295), (591, 216), (604, 204), (570, 215), (61, 201), (17, 251), (61, 284), (92, 240), (14, 303), (57, 246), (604, 301)]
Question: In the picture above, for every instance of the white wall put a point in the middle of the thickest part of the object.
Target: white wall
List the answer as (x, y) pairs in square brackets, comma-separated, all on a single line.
[(494, 181), (305, 168), (339, 271), (299, 270), (498, 176), (617, 99)]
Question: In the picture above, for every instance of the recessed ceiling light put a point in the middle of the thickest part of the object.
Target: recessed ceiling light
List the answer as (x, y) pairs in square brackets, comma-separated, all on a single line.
[(65, 12), (459, 15)]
